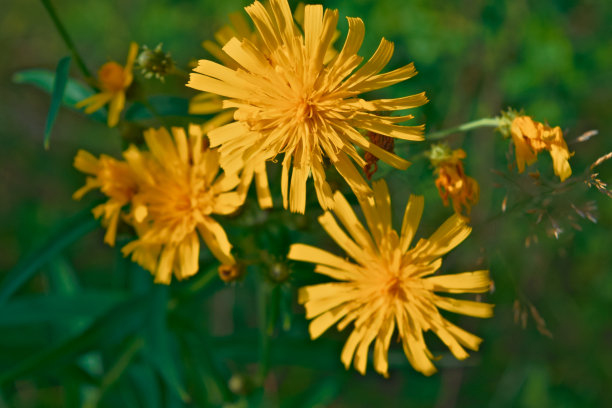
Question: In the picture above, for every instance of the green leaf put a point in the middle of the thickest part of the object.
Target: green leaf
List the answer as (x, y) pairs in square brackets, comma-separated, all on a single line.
[(60, 308), (159, 350), (121, 321), (80, 226), (57, 96), (159, 105), (74, 90)]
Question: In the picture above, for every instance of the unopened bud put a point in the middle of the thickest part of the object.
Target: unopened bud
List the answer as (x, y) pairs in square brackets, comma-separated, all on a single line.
[(154, 63), (279, 272), (231, 272)]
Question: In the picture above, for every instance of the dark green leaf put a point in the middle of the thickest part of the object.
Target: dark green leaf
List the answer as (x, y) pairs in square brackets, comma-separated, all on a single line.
[(58, 308), (80, 226), (111, 328), (158, 105), (159, 349), (57, 96)]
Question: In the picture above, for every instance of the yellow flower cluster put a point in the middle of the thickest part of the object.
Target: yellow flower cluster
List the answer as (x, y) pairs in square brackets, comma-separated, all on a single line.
[(284, 90), (168, 194)]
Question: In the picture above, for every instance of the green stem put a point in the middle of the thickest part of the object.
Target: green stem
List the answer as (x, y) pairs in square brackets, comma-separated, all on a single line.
[(484, 122), (115, 372), (64, 34), (264, 336)]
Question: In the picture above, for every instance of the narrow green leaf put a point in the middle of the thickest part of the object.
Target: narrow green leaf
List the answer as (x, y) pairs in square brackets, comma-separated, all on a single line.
[(58, 309), (116, 371), (121, 321), (159, 349), (57, 96), (74, 90), (80, 226)]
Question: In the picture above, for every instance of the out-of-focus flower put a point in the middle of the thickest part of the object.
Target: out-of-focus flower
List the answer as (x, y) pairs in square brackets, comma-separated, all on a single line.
[(531, 137), (289, 101), (115, 180), (452, 182), (390, 285), (154, 63), (113, 80), (179, 191)]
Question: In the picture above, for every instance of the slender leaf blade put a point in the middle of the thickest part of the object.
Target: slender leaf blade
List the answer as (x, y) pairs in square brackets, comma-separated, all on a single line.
[(57, 96), (74, 91), (19, 275)]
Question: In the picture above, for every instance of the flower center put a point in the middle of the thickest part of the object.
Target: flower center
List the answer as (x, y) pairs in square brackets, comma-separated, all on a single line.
[(305, 109), (112, 77), (395, 289)]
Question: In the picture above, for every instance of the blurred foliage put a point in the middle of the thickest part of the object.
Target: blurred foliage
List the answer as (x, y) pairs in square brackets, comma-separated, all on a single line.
[(90, 328)]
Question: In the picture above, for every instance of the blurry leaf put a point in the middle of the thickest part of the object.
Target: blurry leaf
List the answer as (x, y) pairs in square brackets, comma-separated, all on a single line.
[(130, 349), (74, 90), (57, 95), (62, 277), (145, 385), (60, 308), (70, 232), (159, 349), (111, 328), (323, 395), (158, 105)]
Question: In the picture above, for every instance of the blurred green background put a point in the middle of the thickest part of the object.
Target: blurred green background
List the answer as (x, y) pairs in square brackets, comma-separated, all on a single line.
[(91, 328)]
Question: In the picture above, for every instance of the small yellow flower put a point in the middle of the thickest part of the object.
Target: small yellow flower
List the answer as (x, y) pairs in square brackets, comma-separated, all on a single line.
[(390, 285), (531, 137), (452, 182), (179, 191), (289, 100), (115, 180), (113, 80)]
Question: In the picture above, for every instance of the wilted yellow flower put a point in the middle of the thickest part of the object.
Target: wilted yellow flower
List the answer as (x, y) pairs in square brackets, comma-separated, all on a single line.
[(531, 137), (114, 179), (389, 285), (179, 191), (452, 182), (289, 101), (113, 80)]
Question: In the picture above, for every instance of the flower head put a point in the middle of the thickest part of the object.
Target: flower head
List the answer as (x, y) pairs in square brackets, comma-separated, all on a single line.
[(390, 285), (531, 137), (290, 101), (115, 180), (169, 195), (179, 191), (452, 182), (154, 62), (113, 80)]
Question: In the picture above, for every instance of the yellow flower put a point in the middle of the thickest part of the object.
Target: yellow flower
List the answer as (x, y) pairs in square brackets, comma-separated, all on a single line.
[(209, 103), (389, 285), (179, 191), (452, 182), (531, 137), (113, 80), (289, 101), (115, 179)]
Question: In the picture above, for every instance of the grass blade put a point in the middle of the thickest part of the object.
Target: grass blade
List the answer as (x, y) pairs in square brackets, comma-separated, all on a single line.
[(83, 224), (57, 96)]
